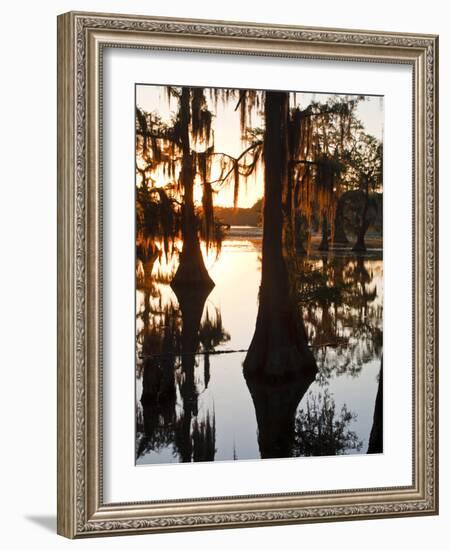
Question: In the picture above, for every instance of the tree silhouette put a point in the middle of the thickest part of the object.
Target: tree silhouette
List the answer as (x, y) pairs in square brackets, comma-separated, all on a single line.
[(365, 167), (376, 433), (321, 135), (321, 430), (171, 336), (320, 171), (183, 150), (278, 347), (157, 226)]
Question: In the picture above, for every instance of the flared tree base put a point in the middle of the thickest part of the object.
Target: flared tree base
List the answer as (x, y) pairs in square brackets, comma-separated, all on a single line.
[(191, 275), (278, 352), (341, 239), (359, 247), (323, 246)]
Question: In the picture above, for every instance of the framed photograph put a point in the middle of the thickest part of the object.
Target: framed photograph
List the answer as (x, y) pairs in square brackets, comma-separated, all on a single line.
[(247, 284)]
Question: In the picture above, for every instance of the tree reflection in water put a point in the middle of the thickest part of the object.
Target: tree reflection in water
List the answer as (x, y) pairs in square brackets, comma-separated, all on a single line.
[(343, 321), (342, 313), (320, 430), (171, 336), (179, 332), (275, 407)]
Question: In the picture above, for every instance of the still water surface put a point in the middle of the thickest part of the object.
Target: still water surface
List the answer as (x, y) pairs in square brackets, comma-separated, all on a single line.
[(207, 412)]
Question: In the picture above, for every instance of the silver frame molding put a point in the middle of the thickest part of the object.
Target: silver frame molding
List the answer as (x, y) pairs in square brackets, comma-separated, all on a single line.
[(81, 38)]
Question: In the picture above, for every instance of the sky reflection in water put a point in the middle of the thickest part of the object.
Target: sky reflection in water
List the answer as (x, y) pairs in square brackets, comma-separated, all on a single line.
[(213, 410)]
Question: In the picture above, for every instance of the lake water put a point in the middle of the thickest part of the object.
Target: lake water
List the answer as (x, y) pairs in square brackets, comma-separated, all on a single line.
[(203, 409)]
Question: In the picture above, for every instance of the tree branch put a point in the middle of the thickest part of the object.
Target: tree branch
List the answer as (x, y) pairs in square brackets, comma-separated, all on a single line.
[(237, 159)]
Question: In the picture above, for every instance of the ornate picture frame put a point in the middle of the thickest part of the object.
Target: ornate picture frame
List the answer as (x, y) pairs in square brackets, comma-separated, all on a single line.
[(82, 39)]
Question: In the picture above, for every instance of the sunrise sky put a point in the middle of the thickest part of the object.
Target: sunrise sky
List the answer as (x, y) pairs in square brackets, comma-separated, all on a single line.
[(227, 133)]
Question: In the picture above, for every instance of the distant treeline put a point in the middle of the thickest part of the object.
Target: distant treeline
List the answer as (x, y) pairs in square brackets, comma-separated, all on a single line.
[(253, 216), (240, 216)]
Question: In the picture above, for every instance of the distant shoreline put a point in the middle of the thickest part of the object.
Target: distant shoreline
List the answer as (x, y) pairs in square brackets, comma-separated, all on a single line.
[(244, 231), (239, 216), (254, 233)]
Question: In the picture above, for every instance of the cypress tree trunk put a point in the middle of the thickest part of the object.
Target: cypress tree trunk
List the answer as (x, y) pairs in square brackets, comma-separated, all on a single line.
[(376, 433), (288, 222), (339, 232), (279, 347), (299, 246), (360, 245), (192, 270), (323, 246)]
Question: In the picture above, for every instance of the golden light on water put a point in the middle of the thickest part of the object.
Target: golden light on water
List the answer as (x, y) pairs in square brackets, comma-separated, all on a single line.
[(192, 341)]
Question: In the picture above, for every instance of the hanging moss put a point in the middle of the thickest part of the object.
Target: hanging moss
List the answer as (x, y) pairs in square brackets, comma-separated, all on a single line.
[(320, 137)]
